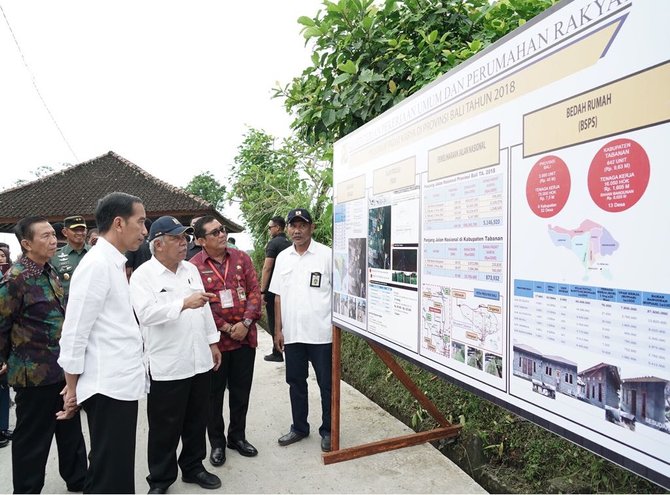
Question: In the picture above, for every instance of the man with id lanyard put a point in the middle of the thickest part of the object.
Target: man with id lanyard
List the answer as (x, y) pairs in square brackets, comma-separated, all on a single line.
[(302, 284), (229, 274)]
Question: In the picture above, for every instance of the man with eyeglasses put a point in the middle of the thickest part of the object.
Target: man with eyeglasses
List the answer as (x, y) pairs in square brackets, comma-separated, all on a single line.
[(180, 348), (194, 248), (67, 258), (230, 275), (278, 242)]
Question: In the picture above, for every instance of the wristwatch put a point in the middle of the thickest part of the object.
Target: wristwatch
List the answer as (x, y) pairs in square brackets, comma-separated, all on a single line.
[(247, 322)]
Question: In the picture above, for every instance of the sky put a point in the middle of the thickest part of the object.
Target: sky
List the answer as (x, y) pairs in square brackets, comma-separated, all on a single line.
[(169, 85)]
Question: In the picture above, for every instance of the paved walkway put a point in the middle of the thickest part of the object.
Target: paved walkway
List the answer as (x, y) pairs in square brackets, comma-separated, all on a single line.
[(298, 468)]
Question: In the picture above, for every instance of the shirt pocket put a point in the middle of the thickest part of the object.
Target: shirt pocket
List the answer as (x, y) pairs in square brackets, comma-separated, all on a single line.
[(287, 278)]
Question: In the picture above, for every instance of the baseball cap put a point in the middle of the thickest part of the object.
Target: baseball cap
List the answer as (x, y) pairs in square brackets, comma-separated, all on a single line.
[(74, 221), (299, 213), (167, 225)]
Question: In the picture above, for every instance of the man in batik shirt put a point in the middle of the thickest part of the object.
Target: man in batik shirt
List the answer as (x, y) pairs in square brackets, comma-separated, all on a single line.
[(31, 318), (230, 274)]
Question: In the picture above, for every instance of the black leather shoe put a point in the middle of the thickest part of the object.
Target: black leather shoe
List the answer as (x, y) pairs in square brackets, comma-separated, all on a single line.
[(157, 489), (3, 442), (79, 488), (243, 447), (325, 443), (6, 434), (218, 456), (204, 479), (290, 437), (277, 358)]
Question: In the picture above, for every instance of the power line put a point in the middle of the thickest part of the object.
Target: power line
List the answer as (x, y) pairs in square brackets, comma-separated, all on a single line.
[(37, 90)]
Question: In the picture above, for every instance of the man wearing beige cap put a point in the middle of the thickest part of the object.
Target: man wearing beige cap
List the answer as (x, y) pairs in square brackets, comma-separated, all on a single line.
[(68, 257)]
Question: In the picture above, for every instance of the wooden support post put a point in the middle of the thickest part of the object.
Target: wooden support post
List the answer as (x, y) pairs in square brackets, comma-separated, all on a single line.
[(335, 389), (400, 374), (446, 429), (390, 444)]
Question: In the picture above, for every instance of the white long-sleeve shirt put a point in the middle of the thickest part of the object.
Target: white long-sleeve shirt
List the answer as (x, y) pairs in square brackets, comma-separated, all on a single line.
[(101, 340), (176, 342)]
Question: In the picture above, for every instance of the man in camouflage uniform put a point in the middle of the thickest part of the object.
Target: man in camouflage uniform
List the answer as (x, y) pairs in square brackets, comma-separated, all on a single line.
[(68, 257), (31, 318)]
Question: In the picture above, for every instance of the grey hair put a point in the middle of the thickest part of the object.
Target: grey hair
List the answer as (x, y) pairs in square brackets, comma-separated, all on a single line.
[(152, 247)]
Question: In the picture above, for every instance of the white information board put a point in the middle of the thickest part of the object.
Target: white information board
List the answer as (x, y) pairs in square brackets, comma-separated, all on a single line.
[(507, 227)]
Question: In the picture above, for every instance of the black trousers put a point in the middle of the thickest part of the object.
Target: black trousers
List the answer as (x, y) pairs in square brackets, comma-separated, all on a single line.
[(177, 409), (112, 425), (298, 357), (36, 425), (236, 373), (270, 309)]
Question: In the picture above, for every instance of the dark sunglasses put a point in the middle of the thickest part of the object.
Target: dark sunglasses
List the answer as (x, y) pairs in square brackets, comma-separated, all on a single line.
[(217, 232)]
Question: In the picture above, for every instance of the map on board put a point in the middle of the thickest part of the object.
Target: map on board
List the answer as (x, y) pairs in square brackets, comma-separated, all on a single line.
[(457, 313), (589, 242)]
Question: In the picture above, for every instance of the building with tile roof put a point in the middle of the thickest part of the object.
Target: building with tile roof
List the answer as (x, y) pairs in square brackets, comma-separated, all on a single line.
[(76, 190)]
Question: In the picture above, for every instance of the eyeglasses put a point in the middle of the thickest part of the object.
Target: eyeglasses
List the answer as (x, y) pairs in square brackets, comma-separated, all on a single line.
[(217, 232)]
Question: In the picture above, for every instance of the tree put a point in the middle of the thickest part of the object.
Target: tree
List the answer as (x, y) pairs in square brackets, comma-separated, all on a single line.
[(368, 57), (270, 177), (39, 172), (206, 186)]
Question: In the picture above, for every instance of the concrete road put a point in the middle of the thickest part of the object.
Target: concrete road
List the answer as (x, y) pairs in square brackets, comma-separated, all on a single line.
[(298, 468)]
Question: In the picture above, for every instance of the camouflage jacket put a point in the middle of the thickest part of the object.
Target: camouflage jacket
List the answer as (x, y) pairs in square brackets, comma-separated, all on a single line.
[(31, 318)]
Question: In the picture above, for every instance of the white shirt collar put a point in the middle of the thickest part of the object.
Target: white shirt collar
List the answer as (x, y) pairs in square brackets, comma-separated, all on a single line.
[(116, 256), (159, 268), (310, 248)]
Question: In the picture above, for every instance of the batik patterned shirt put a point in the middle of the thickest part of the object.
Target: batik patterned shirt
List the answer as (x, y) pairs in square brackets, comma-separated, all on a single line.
[(240, 278), (31, 319)]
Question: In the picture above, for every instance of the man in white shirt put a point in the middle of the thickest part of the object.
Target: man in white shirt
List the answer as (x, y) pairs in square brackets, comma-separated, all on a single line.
[(302, 284), (101, 347), (180, 339)]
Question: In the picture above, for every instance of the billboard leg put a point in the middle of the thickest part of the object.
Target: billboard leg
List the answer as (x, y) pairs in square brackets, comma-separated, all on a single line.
[(446, 429)]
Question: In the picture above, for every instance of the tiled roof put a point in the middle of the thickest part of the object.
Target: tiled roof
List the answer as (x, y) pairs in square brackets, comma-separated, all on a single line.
[(645, 379), (76, 190), (527, 349), (608, 367)]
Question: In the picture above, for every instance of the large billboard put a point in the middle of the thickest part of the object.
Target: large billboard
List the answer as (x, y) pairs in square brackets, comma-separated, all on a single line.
[(504, 227)]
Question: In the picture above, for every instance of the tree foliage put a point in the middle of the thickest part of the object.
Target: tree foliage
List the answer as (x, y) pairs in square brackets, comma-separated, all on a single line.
[(270, 177), (206, 186), (39, 172), (370, 56)]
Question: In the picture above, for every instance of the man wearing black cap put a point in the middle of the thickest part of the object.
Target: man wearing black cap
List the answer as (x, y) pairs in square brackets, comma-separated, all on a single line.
[(302, 284), (180, 347), (67, 258)]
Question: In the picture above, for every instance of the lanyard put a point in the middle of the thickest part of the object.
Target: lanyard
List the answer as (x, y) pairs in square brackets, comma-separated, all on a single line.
[(225, 271)]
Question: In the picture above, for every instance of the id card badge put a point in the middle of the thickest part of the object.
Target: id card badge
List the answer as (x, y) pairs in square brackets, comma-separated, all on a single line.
[(226, 297), (241, 295), (315, 280)]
